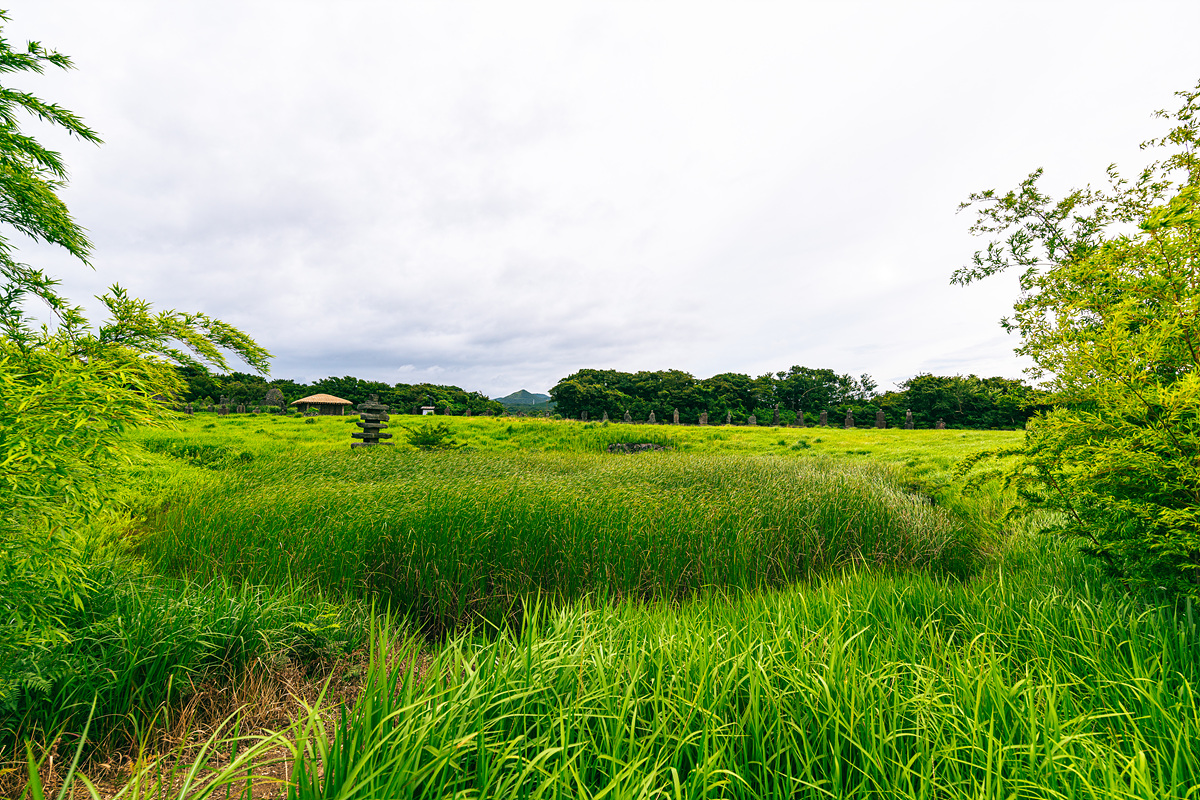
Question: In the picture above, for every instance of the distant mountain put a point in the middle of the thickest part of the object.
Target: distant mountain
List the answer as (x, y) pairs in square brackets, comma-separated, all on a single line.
[(525, 401), (523, 398)]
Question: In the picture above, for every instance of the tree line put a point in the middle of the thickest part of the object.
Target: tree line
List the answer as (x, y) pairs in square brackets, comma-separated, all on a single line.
[(206, 388), (961, 402)]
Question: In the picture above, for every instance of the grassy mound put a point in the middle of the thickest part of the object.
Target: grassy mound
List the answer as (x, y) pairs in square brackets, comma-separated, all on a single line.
[(451, 537)]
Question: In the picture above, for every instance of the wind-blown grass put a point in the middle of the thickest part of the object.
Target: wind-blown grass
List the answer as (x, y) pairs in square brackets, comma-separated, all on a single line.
[(454, 537)]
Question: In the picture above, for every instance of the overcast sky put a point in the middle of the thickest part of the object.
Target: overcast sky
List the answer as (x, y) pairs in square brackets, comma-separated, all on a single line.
[(497, 194)]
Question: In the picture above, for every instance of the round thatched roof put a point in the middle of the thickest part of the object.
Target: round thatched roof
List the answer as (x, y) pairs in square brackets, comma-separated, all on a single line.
[(322, 399)]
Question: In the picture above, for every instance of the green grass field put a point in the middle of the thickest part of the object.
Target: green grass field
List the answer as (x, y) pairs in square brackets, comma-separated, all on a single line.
[(751, 613)]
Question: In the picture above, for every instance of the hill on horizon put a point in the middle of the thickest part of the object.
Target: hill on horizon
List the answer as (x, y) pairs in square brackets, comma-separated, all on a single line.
[(522, 400)]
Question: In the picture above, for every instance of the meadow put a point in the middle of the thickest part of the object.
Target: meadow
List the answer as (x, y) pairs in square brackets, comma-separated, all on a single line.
[(765, 612)]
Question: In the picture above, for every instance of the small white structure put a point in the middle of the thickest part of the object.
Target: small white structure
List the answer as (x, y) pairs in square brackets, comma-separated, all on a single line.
[(428, 410)]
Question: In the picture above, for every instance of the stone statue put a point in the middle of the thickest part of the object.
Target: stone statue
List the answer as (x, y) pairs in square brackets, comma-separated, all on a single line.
[(605, 419), (627, 417), (373, 419), (728, 417), (908, 423), (849, 421), (775, 416), (752, 421), (824, 419), (651, 420), (703, 417), (880, 420), (941, 426), (800, 418), (675, 417)]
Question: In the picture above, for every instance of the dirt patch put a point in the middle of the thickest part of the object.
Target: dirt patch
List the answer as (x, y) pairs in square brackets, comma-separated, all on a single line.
[(634, 447)]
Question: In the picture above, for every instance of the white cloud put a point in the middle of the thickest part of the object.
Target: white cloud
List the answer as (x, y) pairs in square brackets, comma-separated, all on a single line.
[(512, 192)]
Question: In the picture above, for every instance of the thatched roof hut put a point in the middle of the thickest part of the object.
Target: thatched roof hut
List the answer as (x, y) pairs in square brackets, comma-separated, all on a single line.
[(322, 404)]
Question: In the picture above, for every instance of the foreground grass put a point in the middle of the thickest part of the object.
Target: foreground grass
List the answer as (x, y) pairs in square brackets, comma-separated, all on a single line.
[(143, 648), (1037, 679), (865, 686)]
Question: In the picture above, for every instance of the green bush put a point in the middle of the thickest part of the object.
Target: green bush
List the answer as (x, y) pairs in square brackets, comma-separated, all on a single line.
[(429, 436)]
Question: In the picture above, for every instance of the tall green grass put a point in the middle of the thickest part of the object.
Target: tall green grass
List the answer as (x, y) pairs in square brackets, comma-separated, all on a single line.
[(867, 686), (454, 537), (141, 644)]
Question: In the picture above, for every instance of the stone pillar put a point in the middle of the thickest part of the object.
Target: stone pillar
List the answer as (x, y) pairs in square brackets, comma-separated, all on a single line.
[(728, 417), (651, 420), (908, 423), (824, 423), (752, 421), (189, 409), (675, 417), (627, 417), (703, 417), (941, 426), (373, 419), (583, 416), (605, 419), (775, 416), (449, 411), (467, 413), (880, 420), (849, 421), (241, 409), (800, 418)]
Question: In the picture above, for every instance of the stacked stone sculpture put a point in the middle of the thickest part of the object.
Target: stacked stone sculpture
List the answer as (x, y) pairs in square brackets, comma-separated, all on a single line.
[(373, 419)]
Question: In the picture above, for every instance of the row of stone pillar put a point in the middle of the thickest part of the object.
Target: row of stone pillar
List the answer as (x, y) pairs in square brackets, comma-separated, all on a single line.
[(752, 420)]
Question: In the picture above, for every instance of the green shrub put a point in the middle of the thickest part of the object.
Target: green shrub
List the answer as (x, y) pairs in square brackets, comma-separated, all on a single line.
[(429, 436)]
